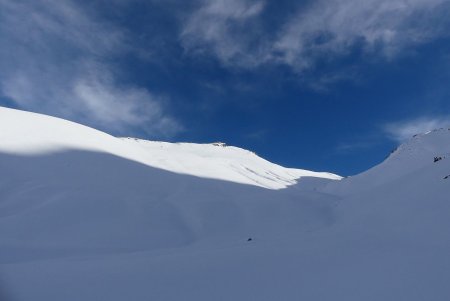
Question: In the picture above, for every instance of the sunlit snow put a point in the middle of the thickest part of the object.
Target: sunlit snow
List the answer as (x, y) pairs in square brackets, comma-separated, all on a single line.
[(87, 216)]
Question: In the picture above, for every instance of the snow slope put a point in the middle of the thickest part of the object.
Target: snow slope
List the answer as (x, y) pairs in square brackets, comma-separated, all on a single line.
[(27, 133), (219, 161), (408, 160), (86, 216)]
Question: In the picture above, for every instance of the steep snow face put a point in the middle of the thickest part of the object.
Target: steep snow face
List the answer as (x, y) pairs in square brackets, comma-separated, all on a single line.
[(29, 133), (423, 151)]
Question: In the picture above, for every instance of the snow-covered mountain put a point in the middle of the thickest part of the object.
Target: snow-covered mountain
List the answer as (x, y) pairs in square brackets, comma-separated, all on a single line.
[(218, 161), (423, 153), (87, 216), (28, 133)]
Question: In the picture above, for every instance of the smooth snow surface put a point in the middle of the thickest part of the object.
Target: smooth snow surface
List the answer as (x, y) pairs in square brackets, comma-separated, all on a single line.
[(26, 133), (407, 160), (86, 216), (218, 161)]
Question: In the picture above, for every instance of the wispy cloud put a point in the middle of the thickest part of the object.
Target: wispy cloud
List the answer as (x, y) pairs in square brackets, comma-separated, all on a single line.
[(386, 27), (404, 130), (230, 30), (56, 57), (220, 28)]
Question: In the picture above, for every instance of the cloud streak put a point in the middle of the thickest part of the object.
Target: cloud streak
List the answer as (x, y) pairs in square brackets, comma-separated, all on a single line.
[(56, 58), (218, 27), (317, 30)]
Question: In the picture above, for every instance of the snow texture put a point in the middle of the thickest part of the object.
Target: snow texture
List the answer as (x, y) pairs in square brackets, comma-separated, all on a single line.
[(87, 216)]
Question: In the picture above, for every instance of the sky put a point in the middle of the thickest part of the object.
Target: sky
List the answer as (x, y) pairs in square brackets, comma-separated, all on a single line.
[(327, 85)]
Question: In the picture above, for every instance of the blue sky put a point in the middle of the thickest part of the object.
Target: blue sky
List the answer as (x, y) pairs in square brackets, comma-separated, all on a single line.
[(329, 85)]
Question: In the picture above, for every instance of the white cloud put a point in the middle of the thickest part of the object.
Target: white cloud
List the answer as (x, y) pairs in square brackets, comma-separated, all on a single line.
[(56, 58), (332, 27), (402, 131), (220, 27), (112, 105), (320, 29)]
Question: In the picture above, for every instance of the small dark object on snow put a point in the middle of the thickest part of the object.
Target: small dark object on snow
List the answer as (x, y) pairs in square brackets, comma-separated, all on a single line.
[(437, 159), (250, 239), (446, 177)]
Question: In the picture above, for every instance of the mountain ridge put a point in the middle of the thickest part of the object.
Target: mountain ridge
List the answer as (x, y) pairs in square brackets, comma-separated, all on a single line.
[(36, 133)]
